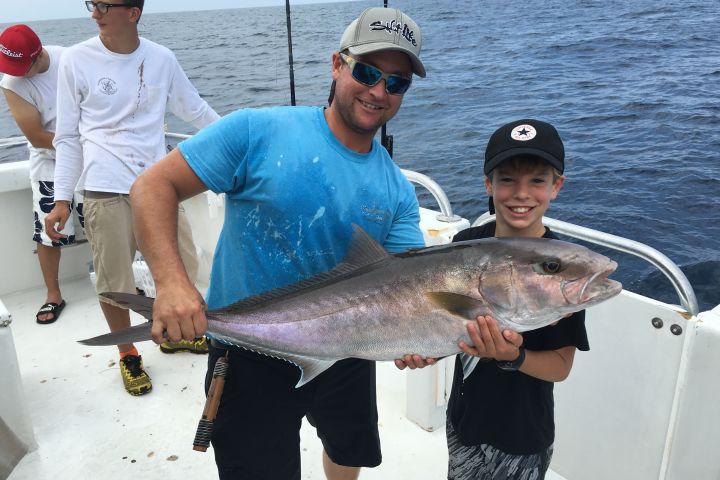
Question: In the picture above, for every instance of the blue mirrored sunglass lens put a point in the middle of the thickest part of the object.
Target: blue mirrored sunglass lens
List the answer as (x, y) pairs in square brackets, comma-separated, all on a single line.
[(366, 74), (396, 84), (370, 76)]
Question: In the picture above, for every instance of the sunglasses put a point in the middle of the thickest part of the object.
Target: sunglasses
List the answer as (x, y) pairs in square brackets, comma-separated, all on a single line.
[(103, 7), (370, 76)]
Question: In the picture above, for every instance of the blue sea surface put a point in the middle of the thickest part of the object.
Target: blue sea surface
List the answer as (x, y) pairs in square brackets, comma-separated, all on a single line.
[(631, 86)]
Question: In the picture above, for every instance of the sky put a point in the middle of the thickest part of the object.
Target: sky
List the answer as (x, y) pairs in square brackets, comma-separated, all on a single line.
[(17, 11)]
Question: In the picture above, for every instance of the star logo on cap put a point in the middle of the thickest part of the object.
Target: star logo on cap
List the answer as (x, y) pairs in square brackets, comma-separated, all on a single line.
[(523, 133)]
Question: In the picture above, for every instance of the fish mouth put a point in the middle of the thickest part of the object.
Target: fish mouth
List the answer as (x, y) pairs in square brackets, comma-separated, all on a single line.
[(593, 288)]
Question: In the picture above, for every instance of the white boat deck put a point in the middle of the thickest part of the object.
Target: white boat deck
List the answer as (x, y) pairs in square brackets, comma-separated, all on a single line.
[(87, 427)]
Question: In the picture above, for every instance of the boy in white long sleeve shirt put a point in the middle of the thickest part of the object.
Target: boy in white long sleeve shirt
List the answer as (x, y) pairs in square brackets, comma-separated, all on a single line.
[(113, 91), (112, 108)]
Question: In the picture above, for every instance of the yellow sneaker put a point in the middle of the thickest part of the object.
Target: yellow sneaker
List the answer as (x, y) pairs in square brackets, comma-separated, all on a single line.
[(199, 346), (136, 381)]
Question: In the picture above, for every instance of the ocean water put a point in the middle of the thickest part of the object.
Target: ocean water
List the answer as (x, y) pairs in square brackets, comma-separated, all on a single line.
[(631, 86)]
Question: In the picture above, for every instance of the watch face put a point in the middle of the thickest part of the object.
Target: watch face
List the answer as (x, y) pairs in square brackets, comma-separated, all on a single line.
[(507, 366)]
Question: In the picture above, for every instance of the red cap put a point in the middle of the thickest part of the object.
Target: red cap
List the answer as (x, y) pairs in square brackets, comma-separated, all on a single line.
[(19, 46)]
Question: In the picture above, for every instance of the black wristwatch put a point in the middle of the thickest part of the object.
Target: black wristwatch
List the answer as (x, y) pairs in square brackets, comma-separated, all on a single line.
[(513, 365)]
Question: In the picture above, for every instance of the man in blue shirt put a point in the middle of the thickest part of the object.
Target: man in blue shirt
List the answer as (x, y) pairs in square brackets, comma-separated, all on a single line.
[(295, 179)]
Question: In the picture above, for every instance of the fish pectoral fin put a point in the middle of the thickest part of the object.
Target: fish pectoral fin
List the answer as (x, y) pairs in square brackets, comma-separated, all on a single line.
[(458, 304), (309, 367)]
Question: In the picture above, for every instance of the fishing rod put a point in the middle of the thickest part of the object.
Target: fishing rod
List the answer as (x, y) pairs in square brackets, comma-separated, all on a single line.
[(290, 53), (385, 139)]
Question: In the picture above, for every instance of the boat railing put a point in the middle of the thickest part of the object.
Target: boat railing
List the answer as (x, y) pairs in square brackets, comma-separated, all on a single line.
[(12, 141), (663, 263), (446, 212), (177, 136)]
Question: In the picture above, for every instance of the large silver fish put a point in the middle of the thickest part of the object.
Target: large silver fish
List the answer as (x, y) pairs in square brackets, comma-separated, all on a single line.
[(379, 306)]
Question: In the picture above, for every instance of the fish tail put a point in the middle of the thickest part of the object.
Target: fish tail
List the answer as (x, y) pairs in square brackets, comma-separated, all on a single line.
[(138, 333), (137, 303)]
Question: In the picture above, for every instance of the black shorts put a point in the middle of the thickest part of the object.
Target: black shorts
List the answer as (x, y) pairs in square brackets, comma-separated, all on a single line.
[(256, 433)]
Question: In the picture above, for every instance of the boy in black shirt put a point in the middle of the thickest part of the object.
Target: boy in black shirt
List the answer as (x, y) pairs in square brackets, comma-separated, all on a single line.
[(500, 418)]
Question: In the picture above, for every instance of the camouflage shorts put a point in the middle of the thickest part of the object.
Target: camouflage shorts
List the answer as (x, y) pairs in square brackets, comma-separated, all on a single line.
[(485, 462)]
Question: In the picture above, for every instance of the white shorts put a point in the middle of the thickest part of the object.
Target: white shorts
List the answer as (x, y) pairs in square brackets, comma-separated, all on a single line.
[(43, 203)]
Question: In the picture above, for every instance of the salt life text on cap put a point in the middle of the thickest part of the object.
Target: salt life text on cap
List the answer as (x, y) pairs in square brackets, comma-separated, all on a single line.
[(19, 46), (525, 137), (378, 29)]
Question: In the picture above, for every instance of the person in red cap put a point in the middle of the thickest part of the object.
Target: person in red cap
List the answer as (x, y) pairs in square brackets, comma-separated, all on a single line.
[(30, 88), (113, 92)]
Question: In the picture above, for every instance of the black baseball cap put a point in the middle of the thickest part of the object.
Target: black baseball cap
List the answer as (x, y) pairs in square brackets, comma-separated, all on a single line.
[(525, 137)]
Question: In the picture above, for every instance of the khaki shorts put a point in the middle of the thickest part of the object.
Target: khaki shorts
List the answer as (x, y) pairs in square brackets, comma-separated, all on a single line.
[(109, 229)]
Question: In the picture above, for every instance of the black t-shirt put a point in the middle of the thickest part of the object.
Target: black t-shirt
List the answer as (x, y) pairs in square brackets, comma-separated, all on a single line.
[(511, 411)]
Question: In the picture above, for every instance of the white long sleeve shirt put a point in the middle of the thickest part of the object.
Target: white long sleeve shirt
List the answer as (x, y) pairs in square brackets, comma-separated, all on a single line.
[(111, 112)]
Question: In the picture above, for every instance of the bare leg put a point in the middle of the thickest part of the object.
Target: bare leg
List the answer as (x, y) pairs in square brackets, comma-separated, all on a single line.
[(333, 471), (117, 319), (49, 258)]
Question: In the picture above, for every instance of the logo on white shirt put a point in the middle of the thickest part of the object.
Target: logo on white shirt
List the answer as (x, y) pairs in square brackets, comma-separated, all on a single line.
[(107, 86)]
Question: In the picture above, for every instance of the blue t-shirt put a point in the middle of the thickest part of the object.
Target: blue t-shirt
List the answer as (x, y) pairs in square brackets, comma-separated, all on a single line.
[(293, 192)]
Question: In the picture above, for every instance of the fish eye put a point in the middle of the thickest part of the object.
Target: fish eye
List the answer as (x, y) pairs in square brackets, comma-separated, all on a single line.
[(548, 267), (551, 266)]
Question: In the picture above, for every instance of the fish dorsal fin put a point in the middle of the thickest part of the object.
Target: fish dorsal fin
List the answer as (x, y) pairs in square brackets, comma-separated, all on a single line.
[(363, 252), (458, 304)]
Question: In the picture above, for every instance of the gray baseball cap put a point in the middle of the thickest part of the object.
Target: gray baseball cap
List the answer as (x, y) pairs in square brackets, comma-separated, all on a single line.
[(378, 29)]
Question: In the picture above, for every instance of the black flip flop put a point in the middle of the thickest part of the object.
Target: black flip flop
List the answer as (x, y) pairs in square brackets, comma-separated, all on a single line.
[(53, 308)]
